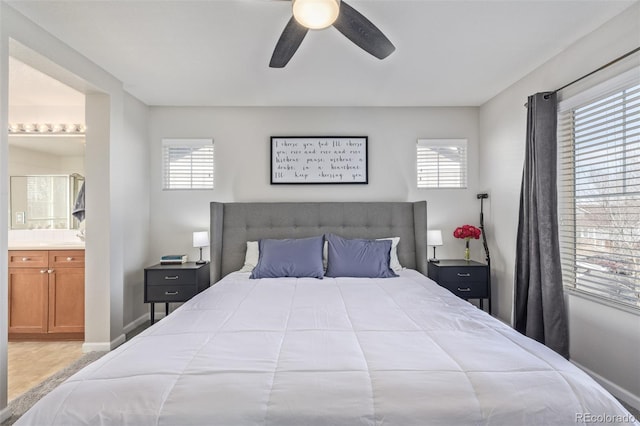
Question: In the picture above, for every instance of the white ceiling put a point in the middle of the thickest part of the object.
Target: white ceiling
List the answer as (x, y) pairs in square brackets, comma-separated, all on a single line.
[(216, 52), (35, 94), (29, 87)]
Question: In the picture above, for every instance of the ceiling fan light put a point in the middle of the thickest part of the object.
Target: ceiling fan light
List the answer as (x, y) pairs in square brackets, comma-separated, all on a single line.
[(316, 14)]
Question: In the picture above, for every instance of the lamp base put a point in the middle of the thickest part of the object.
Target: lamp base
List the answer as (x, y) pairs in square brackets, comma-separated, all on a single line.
[(434, 259), (200, 261)]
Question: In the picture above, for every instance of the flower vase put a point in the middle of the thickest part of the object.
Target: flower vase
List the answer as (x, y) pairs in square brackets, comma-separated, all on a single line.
[(467, 255)]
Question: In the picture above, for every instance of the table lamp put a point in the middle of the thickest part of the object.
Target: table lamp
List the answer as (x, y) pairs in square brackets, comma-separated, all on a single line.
[(434, 238), (201, 239)]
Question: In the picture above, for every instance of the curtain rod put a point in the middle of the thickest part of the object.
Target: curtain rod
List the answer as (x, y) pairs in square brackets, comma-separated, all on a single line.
[(608, 64)]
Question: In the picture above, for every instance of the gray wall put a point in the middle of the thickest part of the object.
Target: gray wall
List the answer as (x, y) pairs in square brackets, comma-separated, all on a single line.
[(242, 140), (603, 339), (134, 169), (23, 161)]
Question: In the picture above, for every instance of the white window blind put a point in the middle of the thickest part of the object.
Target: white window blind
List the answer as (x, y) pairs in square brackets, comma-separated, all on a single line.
[(187, 164), (599, 193), (442, 163)]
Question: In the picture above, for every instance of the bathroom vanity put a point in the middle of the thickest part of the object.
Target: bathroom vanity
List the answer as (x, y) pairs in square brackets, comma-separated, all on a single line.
[(46, 293)]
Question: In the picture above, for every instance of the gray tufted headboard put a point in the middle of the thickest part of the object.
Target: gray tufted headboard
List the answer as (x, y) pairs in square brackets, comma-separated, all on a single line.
[(233, 224)]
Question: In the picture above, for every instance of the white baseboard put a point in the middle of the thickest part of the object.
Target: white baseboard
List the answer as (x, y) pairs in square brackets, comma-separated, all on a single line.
[(118, 341), (107, 346), (136, 323), (95, 346), (103, 346), (616, 390), (5, 413)]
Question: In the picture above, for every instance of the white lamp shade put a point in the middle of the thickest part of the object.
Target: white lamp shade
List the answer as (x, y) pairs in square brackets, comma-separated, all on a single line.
[(434, 237), (316, 14), (201, 239)]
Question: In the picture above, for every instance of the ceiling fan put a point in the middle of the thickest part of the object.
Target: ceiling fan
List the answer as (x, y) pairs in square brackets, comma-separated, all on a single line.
[(320, 14)]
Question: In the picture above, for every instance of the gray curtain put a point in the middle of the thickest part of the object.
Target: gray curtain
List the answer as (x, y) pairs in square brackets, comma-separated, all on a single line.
[(539, 310)]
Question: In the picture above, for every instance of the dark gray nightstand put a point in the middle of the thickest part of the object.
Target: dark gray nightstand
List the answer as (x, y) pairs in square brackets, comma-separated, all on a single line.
[(174, 283), (465, 279)]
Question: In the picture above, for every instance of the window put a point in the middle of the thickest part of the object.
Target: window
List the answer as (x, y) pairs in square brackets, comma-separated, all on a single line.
[(599, 193), (442, 163), (187, 164)]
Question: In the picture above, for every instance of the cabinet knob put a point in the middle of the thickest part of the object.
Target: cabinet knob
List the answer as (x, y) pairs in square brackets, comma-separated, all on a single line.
[(24, 259), (69, 259)]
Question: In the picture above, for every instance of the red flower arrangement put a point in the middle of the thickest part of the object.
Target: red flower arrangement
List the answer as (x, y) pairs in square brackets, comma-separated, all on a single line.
[(467, 232)]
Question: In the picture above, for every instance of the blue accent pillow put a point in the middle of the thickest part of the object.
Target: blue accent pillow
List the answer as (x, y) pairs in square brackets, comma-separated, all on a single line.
[(358, 258), (300, 257)]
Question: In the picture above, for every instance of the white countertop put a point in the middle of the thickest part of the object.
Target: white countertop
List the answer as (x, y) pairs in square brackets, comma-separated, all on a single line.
[(46, 245)]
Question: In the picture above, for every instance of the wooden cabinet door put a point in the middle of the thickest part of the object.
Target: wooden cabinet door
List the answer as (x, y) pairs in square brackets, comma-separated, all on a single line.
[(28, 294), (66, 300)]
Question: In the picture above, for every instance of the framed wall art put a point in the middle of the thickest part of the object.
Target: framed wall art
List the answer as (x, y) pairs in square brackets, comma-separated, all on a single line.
[(319, 160)]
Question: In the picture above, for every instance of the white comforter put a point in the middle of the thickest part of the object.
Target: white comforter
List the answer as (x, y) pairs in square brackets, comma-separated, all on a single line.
[(347, 351)]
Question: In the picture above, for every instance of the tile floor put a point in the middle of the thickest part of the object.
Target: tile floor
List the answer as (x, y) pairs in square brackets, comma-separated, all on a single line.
[(29, 363)]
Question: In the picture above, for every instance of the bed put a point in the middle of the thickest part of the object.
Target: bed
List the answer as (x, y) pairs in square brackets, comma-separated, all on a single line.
[(339, 350)]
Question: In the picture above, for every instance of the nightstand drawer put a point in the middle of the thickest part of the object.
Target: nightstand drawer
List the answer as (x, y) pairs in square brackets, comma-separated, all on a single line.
[(467, 274), (172, 277), (466, 289), (170, 293), (174, 283), (466, 279)]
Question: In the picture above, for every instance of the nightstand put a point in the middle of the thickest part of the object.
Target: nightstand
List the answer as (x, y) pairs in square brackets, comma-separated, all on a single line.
[(465, 279), (174, 283)]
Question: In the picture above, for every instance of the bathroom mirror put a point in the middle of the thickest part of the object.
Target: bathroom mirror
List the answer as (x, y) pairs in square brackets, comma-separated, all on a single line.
[(43, 201)]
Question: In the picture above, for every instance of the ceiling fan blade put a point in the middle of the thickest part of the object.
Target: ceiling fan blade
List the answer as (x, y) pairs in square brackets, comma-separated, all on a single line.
[(362, 32), (288, 43)]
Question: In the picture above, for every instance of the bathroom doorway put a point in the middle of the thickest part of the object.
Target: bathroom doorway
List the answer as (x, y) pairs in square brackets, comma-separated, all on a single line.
[(46, 168)]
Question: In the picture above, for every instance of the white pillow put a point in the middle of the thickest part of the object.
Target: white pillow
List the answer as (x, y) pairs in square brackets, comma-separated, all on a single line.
[(251, 257), (325, 255), (394, 262)]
